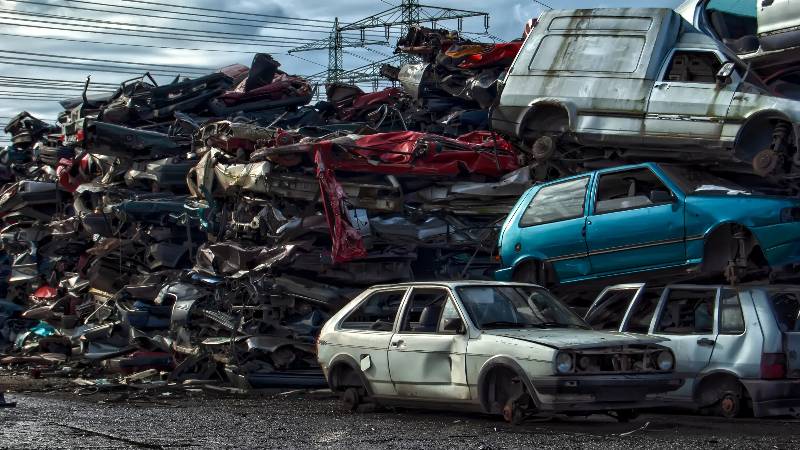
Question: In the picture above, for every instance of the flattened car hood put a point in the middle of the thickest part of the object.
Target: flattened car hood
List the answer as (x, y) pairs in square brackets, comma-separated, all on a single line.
[(575, 338)]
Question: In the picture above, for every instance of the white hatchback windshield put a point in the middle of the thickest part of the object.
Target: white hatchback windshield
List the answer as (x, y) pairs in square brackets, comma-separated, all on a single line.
[(492, 307)]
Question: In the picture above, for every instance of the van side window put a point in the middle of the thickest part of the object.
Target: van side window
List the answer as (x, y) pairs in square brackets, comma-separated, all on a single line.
[(731, 319), (619, 191), (643, 311), (377, 313), (688, 312), (556, 202), (610, 310), (425, 307), (693, 67)]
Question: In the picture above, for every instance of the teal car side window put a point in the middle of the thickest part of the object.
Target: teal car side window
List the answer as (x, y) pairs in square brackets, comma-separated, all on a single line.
[(630, 189), (556, 202)]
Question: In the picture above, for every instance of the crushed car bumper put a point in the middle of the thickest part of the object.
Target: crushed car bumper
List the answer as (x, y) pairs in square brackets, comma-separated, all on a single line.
[(602, 392), (774, 397)]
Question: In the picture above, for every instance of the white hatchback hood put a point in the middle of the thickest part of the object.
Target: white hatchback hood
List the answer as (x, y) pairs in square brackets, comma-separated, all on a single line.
[(574, 338)]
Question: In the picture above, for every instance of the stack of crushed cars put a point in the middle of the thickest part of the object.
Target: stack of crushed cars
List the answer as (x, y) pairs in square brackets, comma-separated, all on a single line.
[(204, 230), (451, 81)]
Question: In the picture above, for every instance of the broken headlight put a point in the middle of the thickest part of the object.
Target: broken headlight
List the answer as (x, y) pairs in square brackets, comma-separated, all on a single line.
[(665, 360), (563, 362)]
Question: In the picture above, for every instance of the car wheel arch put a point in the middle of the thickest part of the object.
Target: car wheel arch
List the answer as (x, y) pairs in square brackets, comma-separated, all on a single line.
[(501, 362), (544, 267), (753, 132), (724, 230), (540, 107), (345, 362), (715, 377)]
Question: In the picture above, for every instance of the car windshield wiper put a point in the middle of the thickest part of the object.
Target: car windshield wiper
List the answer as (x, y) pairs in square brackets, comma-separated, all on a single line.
[(562, 325), (503, 324)]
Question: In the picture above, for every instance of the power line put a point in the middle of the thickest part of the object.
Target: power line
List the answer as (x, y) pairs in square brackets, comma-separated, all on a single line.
[(197, 8), (130, 35), (81, 82), (151, 35), (155, 27), (540, 3), (315, 28), (99, 68), (125, 44), (172, 66), (248, 38)]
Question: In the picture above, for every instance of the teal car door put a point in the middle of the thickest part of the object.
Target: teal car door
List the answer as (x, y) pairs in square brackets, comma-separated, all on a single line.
[(636, 222), (552, 227)]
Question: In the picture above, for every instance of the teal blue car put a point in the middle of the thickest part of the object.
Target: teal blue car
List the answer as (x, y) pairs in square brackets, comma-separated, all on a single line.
[(642, 218)]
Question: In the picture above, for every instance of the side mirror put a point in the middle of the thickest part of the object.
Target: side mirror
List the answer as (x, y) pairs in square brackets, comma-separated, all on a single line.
[(723, 77), (661, 197), (454, 325)]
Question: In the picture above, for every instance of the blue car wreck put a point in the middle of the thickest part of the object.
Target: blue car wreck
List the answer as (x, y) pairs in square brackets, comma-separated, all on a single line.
[(650, 217)]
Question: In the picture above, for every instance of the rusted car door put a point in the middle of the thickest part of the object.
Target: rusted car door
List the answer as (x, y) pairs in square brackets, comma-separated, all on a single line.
[(425, 360), (686, 101)]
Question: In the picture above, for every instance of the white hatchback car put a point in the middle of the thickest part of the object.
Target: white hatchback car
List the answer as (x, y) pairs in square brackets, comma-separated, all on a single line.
[(504, 348)]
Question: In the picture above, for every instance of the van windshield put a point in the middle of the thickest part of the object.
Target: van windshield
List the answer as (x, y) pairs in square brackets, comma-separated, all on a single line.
[(703, 183)]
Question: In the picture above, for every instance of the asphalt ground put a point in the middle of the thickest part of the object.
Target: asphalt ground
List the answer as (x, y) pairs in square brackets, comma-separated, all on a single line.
[(300, 419)]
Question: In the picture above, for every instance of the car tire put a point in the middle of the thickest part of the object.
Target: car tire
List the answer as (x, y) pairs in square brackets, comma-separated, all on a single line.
[(729, 405), (351, 397)]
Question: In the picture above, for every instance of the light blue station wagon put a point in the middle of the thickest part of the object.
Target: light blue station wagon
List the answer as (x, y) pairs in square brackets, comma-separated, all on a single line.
[(633, 219)]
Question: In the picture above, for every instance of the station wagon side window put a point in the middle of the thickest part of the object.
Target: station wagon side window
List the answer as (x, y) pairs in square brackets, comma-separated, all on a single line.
[(630, 189), (642, 312), (556, 202), (378, 312), (787, 310), (688, 311), (424, 310), (731, 319), (610, 310), (693, 67)]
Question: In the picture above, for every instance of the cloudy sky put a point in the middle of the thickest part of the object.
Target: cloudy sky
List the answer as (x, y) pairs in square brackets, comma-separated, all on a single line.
[(114, 40)]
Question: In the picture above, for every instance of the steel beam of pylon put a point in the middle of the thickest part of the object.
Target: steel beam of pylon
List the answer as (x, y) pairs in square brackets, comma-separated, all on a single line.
[(409, 13)]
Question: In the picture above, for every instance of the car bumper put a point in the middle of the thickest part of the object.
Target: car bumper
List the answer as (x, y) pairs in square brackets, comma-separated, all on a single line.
[(774, 397), (603, 392)]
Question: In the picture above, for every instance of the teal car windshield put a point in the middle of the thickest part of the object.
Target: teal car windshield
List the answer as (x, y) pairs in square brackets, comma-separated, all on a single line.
[(697, 182), (492, 307)]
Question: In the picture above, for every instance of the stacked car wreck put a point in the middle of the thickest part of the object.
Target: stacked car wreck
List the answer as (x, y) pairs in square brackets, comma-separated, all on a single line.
[(207, 228), (203, 231)]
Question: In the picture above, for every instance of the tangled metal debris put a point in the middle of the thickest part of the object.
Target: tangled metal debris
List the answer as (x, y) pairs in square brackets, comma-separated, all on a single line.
[(201, 232)]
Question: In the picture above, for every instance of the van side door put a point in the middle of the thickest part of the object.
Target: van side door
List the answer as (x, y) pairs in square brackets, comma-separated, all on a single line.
[(686, 102)]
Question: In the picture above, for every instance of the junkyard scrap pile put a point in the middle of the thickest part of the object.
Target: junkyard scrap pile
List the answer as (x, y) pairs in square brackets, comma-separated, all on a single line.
[(205, 229)]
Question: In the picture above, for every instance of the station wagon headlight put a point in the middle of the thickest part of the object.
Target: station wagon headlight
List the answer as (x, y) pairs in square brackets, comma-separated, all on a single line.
[(563, 363), (665, 361)]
